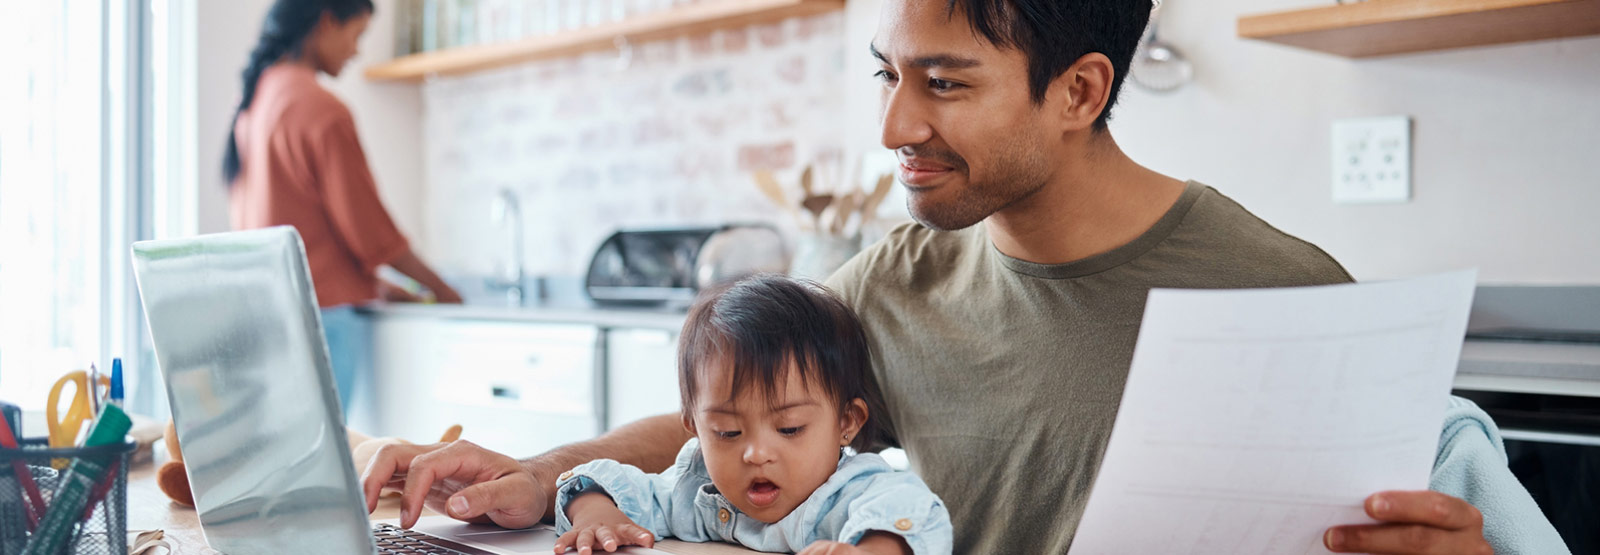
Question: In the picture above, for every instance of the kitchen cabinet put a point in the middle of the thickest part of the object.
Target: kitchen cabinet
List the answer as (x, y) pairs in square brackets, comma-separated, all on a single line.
[(642, 374), (519, 388), (1379, 28), (692, 18)]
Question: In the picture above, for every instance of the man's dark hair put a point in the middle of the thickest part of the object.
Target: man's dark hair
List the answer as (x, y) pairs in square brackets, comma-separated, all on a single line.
[(755, 327), (1055, 33)]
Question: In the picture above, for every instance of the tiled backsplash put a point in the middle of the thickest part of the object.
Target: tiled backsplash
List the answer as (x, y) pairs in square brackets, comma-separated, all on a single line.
[(653, 134)]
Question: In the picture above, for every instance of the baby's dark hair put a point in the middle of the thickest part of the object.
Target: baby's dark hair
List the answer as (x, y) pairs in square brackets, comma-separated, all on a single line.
[(761, 323)]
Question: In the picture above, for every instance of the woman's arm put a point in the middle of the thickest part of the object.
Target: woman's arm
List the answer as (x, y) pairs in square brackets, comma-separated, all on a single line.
[(351, 198)]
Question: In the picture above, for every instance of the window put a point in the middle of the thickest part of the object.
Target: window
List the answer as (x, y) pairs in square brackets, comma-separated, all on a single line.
[(70, 187)]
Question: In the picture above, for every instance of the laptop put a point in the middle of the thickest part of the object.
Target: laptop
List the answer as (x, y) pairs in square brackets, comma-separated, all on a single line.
[(238, 336)]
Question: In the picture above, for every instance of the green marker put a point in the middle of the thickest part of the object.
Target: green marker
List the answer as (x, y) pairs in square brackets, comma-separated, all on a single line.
[(77, 483)]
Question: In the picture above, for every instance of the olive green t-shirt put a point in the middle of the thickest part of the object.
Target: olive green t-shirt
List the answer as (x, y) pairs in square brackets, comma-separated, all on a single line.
[(1002, 377)]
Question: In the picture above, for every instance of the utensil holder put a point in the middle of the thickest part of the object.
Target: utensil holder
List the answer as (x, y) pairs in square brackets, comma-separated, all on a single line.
[(100, 528)]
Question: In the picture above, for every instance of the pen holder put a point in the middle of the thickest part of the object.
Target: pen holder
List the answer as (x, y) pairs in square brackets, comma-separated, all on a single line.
[(97, 523)]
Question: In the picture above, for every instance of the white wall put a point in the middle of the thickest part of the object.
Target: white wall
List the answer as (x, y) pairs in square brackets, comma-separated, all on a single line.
[(388, 115), (591, 146), (1505, 145)]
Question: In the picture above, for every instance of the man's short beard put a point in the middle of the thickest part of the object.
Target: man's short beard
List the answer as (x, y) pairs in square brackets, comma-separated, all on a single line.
[(978, 201)]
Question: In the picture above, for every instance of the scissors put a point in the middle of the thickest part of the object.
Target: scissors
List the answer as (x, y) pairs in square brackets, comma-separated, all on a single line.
[(64, 430)]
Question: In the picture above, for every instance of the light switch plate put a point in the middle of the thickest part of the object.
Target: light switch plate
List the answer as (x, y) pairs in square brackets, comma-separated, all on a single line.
[(1372, 160)]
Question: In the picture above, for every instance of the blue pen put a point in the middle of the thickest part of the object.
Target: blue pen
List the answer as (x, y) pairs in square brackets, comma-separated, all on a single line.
[(116, 382)]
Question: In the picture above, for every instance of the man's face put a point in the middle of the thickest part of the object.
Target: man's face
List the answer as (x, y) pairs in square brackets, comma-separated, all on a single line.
[(957, 111)]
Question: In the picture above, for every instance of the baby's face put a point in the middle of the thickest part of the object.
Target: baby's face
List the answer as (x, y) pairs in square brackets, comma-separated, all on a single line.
[(767, 457)]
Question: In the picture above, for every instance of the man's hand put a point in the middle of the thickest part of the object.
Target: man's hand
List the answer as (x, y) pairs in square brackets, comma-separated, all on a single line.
[(597, 522), (874, 543), (459, 479), (1417, 522)]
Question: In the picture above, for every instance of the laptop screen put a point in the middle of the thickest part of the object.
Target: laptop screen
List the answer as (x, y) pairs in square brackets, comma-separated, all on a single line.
[(238, 337)]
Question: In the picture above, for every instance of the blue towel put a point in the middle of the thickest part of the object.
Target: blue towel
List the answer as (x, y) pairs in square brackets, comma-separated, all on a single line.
[(1471, 464)]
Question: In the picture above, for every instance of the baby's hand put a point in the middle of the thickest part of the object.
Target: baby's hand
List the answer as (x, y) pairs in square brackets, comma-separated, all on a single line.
[(832, 548), (597, 522), (873, 543)]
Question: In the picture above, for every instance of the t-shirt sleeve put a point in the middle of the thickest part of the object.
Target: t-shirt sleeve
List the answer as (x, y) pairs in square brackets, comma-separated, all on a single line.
[(351, 196)]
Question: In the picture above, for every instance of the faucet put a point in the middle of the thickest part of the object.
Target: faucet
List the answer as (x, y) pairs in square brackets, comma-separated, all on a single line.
[(507, 209)]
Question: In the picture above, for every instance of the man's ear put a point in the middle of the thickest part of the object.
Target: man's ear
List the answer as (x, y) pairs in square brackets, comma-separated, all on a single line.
[(1079, 95), (855, 416)]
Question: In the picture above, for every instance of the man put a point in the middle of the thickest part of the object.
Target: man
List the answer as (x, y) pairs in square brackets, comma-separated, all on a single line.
[(1003, 326)]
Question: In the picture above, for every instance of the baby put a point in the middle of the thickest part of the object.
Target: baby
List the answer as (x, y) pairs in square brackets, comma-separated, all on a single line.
[(776, 387)]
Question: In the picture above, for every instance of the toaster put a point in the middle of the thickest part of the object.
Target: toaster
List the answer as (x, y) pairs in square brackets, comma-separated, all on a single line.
[(670, 266)]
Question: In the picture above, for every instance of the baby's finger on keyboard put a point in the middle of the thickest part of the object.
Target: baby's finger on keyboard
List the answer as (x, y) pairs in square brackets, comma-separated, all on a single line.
[(565, 541), (633, 534), (586, 541), (606, 538)]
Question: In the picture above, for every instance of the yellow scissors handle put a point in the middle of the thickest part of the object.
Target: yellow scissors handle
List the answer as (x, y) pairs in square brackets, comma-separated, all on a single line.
[(64, 431)]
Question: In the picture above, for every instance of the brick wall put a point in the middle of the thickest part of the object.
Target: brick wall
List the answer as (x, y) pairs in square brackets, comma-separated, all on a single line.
[(664, 134)]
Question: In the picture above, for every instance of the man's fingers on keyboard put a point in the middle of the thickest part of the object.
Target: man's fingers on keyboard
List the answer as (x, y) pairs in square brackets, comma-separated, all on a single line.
[(411, 499), (388, 465)]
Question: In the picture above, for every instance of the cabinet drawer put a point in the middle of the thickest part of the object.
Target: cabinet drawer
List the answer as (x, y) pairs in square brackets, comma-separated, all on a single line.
[(542, 368), (643, 374), (516, 387)]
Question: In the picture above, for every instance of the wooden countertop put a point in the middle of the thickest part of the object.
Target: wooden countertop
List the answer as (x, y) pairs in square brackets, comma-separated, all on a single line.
[(149, 509)]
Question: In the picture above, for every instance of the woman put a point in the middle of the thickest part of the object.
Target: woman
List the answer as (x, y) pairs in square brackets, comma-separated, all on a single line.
[(293, 158)]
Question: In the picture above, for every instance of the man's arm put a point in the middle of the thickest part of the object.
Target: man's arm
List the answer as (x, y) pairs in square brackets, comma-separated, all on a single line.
[(468, 482), (649, 443)]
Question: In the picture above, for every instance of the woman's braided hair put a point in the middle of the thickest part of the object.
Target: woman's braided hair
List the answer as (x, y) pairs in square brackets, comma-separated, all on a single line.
[(283, 33)]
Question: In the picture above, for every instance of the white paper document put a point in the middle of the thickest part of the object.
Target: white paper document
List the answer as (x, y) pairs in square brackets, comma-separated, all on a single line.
[(1253, 420)]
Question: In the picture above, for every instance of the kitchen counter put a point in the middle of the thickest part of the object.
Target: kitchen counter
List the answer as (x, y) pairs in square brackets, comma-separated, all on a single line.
[(1546, 368), (584, 314)]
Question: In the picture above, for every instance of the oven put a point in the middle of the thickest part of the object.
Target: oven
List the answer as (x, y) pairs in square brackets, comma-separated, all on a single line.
[(1532, 361), (1553, 446)]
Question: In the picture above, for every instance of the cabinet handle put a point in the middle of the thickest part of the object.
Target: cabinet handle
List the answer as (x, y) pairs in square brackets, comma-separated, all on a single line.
[(502, 392)]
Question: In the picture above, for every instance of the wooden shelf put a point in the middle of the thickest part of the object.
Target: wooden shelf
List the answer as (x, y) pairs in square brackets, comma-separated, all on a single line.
[(1384, 27), (699, 17)]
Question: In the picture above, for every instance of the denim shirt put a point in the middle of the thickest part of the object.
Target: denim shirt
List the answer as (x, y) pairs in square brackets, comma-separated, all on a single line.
[(864, 494)]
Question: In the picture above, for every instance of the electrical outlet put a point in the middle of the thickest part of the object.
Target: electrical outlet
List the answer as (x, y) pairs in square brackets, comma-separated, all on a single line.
[(1372, 160)]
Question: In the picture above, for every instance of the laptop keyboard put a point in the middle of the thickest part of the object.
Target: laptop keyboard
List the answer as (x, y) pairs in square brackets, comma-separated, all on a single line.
[(393, 540)]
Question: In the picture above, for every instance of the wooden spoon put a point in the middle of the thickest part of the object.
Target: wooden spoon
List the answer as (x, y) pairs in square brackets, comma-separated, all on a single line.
[(816, 204), (805, 183), (770, 187), (847, 206), (869, 207)]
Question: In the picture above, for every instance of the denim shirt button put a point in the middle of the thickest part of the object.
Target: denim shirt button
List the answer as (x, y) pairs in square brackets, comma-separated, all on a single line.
[(723, 515), (564, 476), (903, 524)]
